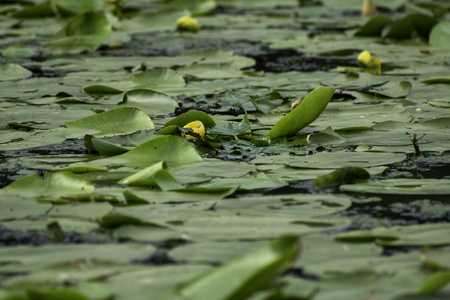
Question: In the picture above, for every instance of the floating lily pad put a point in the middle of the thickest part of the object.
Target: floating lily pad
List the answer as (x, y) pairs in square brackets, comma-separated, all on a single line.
[(46, 256), (191, 116), (402, 186), (54, 185), (413, 235), (13, 72), (17, 51), (152, 102), (332, 160), (120, 120)]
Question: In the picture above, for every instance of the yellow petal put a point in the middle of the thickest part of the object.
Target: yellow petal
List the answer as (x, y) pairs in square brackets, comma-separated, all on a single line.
[(365, 58), (187, 24), (368, 8), (197, 127)]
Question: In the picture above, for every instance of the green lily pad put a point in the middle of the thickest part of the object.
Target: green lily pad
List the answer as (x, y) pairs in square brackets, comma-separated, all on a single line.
[(308, 110), (13, 72), (233, 129), (402, 186), (54, 185), (144, 175), (28, 258), (402, 89), (119, 120), (332, 160), (101, 89), (17, 51), (145, 195), (170, 149), (152, 102), (400, 236), (440, 79), (17, 208), (190, 116)]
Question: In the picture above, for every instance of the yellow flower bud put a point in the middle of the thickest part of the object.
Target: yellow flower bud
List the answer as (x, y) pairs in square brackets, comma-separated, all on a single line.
[(197, 127), (368, 8), (112, 1), (365, 58), (188, 24)]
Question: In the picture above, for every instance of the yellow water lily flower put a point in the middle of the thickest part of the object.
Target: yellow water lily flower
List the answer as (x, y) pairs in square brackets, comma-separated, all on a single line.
[(367, 60), (197, 127), (187, 24), (112, 1), (368, 8)]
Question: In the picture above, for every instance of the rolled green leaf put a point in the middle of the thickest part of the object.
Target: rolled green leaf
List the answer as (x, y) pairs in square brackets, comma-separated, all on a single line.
[(304, 114), (242, 277)]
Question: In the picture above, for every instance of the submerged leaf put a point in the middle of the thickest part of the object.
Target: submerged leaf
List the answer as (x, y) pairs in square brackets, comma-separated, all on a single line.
[(310, 108)]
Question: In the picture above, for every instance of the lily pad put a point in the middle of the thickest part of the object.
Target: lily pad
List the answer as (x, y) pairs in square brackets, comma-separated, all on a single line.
[(402, 186), (119, 120), (191, 116), (13, 72), (54, 185), (152, 102), (333, 160), (170, 149)]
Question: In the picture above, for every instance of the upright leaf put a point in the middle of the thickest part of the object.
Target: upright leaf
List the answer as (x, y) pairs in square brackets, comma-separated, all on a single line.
[(83, 32), (242, 277), (308, 110)]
